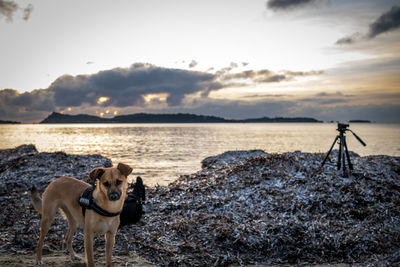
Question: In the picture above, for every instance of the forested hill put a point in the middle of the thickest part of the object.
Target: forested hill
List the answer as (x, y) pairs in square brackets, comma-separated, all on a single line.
[(161, 118)]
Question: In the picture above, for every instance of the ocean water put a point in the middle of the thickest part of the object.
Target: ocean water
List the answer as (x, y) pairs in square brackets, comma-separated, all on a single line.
[(159, 153)]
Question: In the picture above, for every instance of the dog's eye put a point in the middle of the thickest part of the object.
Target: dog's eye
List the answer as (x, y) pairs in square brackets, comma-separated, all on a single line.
[(118, 182), (106, 184)]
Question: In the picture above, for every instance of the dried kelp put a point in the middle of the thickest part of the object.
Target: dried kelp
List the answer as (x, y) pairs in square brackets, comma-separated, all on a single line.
[(249, 207), (275, 209)]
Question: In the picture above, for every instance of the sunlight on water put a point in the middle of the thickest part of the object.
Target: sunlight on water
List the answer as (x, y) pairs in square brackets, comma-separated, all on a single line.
[(161, 152)]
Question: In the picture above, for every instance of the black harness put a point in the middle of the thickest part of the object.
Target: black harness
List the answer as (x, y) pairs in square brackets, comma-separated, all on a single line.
[(86, 201)]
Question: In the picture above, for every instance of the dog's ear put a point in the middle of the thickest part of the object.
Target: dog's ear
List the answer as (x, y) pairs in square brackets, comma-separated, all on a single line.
[(124, 169), (96, 173)]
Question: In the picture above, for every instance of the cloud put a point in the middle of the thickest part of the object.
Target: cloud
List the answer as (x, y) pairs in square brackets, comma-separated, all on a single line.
[(287, 4), (226, 70), (27, 12), (268, 76), (8, 8), (140, 86), (26, 106), (122, 87), (303, 73), (149, 88), (193, 64), (388, 21), (126, 86)]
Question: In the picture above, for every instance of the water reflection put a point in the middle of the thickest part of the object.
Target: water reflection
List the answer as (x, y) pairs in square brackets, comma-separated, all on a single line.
[(160, 152)]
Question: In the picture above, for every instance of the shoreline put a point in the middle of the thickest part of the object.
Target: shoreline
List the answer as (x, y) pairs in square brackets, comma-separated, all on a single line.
[(242, 207)]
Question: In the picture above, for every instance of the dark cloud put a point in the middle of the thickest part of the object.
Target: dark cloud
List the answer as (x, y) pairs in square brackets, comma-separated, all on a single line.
[(388, 21), (130, 87), (287, 4), (8, 8), (126, 86), (276, 79), (25, 106)]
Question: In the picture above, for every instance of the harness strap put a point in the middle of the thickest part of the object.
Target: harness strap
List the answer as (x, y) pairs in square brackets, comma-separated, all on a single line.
[(86, 201)]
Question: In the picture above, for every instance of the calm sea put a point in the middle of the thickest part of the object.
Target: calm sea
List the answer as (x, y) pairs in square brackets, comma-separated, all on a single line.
[(161, 152)]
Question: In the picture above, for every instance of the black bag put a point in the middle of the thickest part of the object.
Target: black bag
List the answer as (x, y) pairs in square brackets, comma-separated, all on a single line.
[(133, 207)]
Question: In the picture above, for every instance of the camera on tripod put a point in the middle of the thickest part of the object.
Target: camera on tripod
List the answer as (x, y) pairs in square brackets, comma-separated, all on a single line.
[(343, 150), (342, 126)]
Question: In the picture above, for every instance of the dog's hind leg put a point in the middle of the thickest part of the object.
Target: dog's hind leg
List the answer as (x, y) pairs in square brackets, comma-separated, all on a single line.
[(45, 223), (72, 227)]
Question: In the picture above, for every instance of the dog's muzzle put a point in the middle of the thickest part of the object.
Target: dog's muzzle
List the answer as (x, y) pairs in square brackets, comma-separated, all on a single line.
[(114, 196)]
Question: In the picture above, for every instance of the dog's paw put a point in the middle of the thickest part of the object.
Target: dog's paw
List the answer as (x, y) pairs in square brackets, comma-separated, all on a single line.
[(39, 262)]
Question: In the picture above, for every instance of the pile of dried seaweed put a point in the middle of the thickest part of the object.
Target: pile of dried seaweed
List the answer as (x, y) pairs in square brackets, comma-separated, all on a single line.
[(244, 207), (22, 167), (275, 209)]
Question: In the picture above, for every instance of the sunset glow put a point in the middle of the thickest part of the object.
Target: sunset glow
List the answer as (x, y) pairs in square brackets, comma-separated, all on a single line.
[(102, 99), (150, 97)]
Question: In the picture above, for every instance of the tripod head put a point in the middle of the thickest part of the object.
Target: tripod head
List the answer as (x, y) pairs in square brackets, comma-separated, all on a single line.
[(342, 128)]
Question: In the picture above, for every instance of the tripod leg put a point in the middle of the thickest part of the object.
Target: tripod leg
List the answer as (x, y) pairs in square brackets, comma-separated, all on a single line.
[(329, 152), (348, 156), (339, 162), (343, 144)]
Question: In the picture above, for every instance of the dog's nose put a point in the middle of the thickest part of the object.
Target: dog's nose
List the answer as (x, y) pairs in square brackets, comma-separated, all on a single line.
[(114, 196)]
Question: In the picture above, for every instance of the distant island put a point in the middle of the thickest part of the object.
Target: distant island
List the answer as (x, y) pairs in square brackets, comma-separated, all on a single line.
[(162, 118), (359, 121), (9, 122)]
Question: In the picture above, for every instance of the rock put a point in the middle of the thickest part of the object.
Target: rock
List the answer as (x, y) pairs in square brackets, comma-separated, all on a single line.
[(231, 157)]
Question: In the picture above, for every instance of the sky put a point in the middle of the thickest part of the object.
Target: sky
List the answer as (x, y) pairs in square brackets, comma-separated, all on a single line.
[(327, 59)]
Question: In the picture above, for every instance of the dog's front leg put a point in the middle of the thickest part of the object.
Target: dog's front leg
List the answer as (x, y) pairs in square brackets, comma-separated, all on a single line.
[(110, 240), (89, 235)]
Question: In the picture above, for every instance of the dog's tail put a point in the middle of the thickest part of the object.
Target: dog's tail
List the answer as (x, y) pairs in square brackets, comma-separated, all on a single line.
[(36, 200)]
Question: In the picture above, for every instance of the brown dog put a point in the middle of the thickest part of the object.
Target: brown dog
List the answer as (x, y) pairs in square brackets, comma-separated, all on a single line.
[(64, 193)]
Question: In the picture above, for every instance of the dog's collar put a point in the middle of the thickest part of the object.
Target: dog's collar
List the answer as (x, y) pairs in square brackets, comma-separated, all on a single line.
[(86, 201)]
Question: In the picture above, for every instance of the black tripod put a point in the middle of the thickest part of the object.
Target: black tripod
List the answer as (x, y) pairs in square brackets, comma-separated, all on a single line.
[(343, 151)]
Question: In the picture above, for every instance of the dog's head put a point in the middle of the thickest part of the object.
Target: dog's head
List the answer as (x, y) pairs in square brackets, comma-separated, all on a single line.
[(111, 181)]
